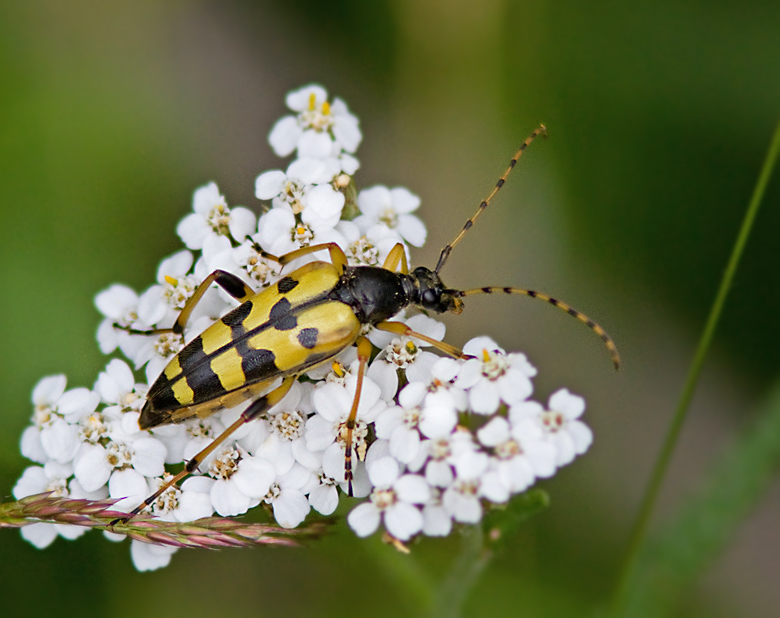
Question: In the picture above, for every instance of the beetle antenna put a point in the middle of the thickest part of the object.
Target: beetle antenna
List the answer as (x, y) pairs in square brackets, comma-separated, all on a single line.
[(555, 303), (445, 253)]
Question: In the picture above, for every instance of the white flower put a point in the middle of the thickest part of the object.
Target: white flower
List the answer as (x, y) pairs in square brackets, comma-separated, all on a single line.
[(390, 209), (307, 188), (326, 431), (58, 438), (522, 453), (287, 497), (280, 233), (189, 502), (242, 480), (493, 376), (394, 500), (398, 424), (212, 216), (560, 423), (148, 557), (406, 353), (119, 305), (318, 130)]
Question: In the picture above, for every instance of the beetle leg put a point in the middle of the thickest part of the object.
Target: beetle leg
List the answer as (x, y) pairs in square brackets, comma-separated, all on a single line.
[(364, 353), (229, 282), (255, 409), (337, 257), (399, 328), (397, 255)]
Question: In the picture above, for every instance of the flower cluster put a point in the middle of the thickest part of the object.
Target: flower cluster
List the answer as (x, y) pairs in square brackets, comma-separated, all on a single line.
[(437, 440)]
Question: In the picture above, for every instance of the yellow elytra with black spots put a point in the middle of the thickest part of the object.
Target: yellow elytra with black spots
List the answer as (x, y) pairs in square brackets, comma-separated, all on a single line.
[(307, 318), (284, 330)]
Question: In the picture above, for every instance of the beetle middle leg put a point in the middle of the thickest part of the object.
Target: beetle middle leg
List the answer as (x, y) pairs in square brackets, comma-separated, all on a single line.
[(229, 282), (364, 354)]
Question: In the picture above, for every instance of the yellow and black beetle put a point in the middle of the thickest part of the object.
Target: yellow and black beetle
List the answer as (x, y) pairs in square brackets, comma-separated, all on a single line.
[(306, 318)]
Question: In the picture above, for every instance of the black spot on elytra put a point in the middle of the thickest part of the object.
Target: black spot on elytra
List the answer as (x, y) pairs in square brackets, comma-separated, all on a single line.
[(235, 319), (287, 284), (280, 316), (308, 337), (205, 384), (192, 355), (257, 364)]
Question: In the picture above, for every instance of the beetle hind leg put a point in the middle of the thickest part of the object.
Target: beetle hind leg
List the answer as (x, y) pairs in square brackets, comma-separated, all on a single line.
[(364, 353), (255, 409)]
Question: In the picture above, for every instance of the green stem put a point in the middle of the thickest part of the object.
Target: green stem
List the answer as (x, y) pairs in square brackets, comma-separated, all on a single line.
[(455, 588), (637, 539)]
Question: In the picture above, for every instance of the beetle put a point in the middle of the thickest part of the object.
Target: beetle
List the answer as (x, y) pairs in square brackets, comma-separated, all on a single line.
[(303, 320)]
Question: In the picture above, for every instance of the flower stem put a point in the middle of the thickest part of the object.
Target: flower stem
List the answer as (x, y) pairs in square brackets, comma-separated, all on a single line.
[(455, 588), (638, 535)]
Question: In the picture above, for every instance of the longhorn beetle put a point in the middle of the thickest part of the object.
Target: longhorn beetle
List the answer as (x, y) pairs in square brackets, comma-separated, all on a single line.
[(305, 319)]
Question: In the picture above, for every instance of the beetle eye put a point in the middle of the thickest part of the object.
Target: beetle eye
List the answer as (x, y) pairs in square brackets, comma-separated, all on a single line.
[(429, 297)]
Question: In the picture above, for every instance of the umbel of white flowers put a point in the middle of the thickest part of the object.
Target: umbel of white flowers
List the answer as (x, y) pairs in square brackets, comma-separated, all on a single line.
[(421, 468)]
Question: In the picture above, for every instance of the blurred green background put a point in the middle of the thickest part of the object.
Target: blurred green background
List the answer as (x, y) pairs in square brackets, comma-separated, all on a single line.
[(659, 115)]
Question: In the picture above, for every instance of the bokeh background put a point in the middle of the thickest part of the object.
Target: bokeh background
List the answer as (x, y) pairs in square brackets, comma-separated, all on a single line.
[(659, 114)]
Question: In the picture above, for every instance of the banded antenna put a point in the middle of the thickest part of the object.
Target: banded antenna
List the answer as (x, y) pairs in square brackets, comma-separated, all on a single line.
[(445, 253)]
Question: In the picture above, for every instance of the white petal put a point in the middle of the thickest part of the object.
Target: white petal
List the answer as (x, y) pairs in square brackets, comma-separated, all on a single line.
[(412, 229), (403, 520), (193, 230), (193, 505), (471, 465), (33, 481), (325, 201), (383, 472), (439, 473), (49, 390), (270, 184), (412, 488), (149, 456), (40, 535), (436, 521), (514, 386), (148, 557), (464, 509), (404, 443), (364, 519), (492, 488), (483, 397), (31, 446), (91, 468), (346, 131), (228, 500), (285, 135), (243, 223), (572, 406), (254, 477), (437, 421), (333, 462), (475, 346), (324, 499), (175, 266), (315, 144), (495, 432), (291, 508), (115, 301), (299, 100), (60, 440), (403, 200), (581, 435), (129, 486)]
